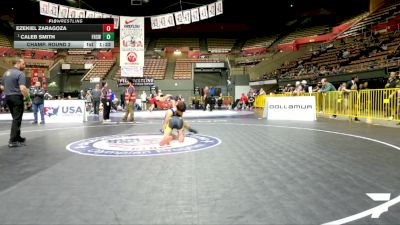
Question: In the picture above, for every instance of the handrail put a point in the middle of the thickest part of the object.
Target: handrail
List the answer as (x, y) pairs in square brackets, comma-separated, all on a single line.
[(83, 78)]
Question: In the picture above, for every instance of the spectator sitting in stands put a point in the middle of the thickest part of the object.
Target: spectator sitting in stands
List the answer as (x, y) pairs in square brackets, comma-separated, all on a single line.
[(376, 34), (373, 64), (317, 87), (302, 71), (339, 53), (323, 71), (364, 52), (384, 47), (345, 54), (265, 77), (342, 87), (364, 86), (323, 49), (395, 54), (392, 81), (334, 71), (304, 85), (314, 69), (298, 89), (300, 66), (339, 69), (287, 88)]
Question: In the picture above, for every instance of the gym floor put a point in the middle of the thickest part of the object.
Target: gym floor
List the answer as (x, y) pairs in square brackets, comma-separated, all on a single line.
[(246, 170)]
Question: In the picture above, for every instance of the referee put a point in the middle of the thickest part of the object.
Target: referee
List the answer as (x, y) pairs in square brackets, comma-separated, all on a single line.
[(13, 85)]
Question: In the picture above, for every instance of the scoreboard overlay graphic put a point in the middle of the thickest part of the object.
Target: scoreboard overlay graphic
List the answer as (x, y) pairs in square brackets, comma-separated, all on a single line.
[(66, 33)]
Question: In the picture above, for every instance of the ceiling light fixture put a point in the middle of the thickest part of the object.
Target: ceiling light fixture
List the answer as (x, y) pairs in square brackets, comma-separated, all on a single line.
[(136, 2)]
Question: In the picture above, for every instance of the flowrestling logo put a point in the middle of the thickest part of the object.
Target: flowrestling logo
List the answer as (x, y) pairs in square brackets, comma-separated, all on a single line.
[(128, 145)]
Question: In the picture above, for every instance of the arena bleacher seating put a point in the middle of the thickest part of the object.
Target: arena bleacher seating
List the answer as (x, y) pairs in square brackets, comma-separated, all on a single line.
[(4, 42), (117, 74), (146, 43), (366, 45), (303, 32), (153, 68), (38, 62), (381, 15), (362, 54), (220, 45), (79, 51), (42, 59), (178, 43), (184, 67), (252, 60), (259, 42), (100, 67)]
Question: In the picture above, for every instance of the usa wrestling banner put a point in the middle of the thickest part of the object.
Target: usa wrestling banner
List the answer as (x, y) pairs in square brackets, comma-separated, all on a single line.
[(131, 41)]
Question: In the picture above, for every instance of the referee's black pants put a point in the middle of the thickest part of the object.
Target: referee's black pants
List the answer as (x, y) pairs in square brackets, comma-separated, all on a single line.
[(106, 109), (210, 101), (16, 105)]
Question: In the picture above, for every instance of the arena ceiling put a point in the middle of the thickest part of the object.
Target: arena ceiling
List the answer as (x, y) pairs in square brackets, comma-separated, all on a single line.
[(255, 14)]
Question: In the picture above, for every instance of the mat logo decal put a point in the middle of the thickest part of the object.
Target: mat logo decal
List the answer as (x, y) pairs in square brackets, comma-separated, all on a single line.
[(128, 145), (374, 212)]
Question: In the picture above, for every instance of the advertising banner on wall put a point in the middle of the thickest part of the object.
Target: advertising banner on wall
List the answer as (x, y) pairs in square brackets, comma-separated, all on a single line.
[(157, 22), (34, 76), (131, 41), (132, 71), (63, 12), (65, 111), (48, 9), (136, 81), (300, 108)]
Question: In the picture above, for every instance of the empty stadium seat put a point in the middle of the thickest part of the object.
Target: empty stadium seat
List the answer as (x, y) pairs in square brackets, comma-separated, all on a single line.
[(153, 68), (184, 70)]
